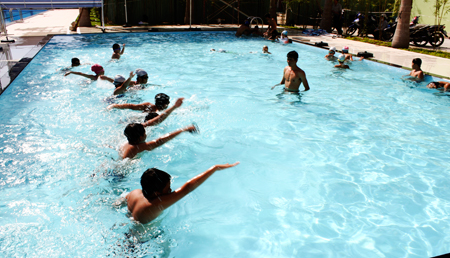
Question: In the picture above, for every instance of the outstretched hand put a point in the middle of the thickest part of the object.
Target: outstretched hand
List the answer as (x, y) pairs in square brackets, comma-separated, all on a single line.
[(192, 129), (67, 73), (224, 166), (132, 74), (179, 102)]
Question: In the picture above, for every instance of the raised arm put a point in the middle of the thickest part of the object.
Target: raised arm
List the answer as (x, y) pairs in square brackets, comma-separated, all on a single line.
[(147, 106), (92, 77), (123, 49), (160, 141), (167, 200), (122, 88), (164, 115)]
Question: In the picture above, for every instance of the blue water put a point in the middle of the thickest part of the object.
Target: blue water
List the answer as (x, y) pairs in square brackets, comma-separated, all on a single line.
[(356, 167), (16, 15)]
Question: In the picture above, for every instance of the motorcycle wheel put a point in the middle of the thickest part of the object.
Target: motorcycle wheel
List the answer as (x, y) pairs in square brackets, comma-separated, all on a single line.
[(387, 36), (420, 41), (436, 39), (350, 31)]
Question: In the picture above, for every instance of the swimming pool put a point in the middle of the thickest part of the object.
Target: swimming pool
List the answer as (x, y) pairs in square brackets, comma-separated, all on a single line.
[(16, 15), (356, 167)]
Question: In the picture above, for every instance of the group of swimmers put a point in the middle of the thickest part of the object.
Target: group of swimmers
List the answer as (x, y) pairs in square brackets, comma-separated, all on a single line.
[(156, 195)]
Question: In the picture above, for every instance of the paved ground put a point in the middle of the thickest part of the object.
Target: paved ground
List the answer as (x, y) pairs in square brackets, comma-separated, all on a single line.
[(31, 34)]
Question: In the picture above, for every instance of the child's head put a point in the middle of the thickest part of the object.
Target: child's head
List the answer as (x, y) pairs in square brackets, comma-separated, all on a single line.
[(150, 116), (118, 80), (341, 59), (345, 50), (162, 101), (75, 61), (417, 61), (332, 51), (97, 69), (265, 49), (135, 133), (293, 55), (284, 33), (142, 76), (155, 182), (116, 48)]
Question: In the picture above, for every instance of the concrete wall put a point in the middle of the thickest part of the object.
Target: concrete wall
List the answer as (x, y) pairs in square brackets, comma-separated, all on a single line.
[(425, 10)]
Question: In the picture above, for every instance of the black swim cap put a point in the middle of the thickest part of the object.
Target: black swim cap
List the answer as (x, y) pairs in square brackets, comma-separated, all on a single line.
[(150, 116), (161, 100), (116, 46)]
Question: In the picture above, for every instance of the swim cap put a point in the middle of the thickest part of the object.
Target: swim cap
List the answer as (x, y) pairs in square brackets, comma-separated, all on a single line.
[(341, 58), (332, 49), (345, 49), (284, 32), (161, 99), (118, 79), (265, 46), (140, 72), (97, 68)]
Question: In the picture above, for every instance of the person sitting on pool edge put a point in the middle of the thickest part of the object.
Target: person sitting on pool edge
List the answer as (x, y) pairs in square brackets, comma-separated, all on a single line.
[(117, 52), (293, 76), (156, 195), (439, 85), (341, 64), (330, 56), (162, 101), (416, 73), (97, 69)]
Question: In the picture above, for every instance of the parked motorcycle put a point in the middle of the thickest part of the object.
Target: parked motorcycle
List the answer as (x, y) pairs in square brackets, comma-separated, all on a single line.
[(421, 34), (356, 25)]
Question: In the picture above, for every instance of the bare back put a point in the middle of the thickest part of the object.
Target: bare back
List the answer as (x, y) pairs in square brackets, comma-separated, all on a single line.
[(141, 209)]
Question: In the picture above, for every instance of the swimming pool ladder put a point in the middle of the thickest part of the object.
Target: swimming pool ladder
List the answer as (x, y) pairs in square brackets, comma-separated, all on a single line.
[(257, 19)]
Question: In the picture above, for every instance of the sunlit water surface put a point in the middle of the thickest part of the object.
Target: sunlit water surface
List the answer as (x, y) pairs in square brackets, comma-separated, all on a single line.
[(356, 167)]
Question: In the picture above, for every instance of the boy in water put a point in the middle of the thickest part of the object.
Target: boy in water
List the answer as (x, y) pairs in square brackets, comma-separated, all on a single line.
[(117, 52), (142, 78), (346, 54), (97, 69), (331, 56), (136, 136), (293, 76), (162, 101), (75, 62), (265, 50), (416, 73), (156, 195), (341, 64), (439, 85)]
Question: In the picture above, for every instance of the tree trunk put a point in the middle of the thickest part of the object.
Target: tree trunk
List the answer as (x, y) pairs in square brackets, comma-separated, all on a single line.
[(327, 19), (273, 9), (401, 36)]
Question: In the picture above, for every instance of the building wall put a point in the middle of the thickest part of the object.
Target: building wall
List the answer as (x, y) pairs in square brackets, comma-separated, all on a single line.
[(425, 11)]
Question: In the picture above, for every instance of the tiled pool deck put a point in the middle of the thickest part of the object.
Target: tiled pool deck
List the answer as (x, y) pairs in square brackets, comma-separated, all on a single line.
[(33, 33)]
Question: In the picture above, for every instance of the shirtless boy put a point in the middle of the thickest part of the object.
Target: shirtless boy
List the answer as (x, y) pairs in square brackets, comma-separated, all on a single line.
[(271, 33), (439, 85), (416, 72), (156, 195), (162, 101), (117, 52), (331, 56), (293, 76)]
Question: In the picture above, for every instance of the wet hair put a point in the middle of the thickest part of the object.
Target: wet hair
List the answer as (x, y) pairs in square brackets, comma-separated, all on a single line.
[(161, 100), (134, 132), (417, 61), (293, 54), (116, 46), (150, 116), (267, 15), (75, 61), (153, 180)]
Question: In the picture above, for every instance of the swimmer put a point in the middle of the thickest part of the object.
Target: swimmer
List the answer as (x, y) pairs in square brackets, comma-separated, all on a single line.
[(162, 101), (416, 73), (136, 136), (97, 69), (117, 52), (156, 195), (347, 55), (265, 50), (220, 50), (293, 76), (75, 62), (121, 84), (284, 37), (331, 56), (439, 85), (341, 64), (142, 78)]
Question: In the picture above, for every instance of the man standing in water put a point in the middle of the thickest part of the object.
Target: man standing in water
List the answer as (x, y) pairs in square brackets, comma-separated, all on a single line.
[(293, 76)]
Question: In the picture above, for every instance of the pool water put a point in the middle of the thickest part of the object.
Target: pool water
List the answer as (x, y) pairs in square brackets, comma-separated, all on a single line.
[(356, 167), (16, 15)]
